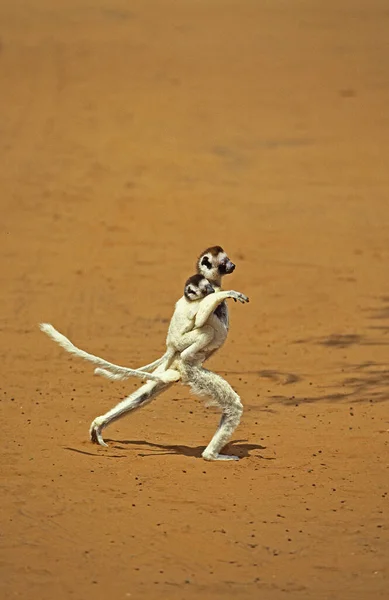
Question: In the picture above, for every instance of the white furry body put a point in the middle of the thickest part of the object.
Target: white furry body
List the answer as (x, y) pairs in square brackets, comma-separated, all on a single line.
[(195, 333)]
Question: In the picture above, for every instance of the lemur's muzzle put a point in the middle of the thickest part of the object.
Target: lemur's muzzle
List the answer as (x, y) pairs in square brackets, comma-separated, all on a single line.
[(229, 267)]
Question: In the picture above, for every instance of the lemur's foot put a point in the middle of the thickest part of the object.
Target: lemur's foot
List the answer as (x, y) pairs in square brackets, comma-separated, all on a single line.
[(208, 456), (95, 432), (169, 376)]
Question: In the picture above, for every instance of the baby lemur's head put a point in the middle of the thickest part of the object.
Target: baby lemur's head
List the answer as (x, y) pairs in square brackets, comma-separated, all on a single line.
[(213, 264), (197, 287)]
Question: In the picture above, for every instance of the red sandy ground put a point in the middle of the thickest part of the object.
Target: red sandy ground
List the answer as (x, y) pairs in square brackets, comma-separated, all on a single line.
[(133, 135)]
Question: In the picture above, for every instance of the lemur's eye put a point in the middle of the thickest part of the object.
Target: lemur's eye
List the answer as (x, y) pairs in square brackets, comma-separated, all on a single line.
[(190, 290), (206, 262)]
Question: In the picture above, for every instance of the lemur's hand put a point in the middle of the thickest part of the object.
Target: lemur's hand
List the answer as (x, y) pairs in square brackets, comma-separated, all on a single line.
[(238, 296)]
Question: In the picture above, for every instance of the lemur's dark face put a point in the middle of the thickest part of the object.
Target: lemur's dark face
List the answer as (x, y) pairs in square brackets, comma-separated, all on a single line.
[(197, 287), (214, 263)]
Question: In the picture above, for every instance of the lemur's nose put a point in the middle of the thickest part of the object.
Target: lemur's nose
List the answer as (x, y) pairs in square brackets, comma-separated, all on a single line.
[(229, 266)]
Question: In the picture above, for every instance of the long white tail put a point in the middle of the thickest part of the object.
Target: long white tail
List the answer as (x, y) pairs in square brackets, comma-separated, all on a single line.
[(124, 373), (110, 375), (165, 375), (67, 345), (153, 365)]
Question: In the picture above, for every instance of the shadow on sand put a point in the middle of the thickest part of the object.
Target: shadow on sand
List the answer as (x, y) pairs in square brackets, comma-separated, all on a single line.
[(365, 382), (242, 450)]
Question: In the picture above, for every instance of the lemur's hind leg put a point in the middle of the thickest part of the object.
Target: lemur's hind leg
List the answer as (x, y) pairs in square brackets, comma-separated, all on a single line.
[(141, 397), (206, 383)]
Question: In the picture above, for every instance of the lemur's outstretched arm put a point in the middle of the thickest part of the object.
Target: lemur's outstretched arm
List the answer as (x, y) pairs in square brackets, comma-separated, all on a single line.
[(210, 303)]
